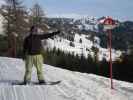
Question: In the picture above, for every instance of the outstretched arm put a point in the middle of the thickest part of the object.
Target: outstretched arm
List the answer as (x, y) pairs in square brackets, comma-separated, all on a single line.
[(48, 35)]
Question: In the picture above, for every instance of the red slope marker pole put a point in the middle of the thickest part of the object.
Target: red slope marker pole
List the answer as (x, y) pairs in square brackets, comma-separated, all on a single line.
[(110, 53), (109, 21)]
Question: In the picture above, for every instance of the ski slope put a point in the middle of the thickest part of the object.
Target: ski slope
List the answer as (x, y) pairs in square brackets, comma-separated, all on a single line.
[(74, 85)]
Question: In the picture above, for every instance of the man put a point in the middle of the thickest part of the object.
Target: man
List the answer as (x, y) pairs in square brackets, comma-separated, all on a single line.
[(32, 49)]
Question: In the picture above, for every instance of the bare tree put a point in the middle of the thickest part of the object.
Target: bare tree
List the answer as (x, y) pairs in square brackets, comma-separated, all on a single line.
[(15, 24), (37, 17)]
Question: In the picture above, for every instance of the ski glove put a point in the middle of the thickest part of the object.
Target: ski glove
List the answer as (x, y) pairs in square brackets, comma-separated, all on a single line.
[(57, 32)]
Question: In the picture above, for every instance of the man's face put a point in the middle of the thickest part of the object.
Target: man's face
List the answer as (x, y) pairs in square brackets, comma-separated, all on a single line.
[(35, 30)]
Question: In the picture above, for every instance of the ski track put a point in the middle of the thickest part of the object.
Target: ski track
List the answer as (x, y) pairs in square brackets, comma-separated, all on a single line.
[(74, 85)]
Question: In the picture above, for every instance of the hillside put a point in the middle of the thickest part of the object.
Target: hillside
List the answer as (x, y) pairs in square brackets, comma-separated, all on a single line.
[(82, 45)]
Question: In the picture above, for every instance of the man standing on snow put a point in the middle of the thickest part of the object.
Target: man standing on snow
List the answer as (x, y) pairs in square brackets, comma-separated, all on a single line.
[(32, 49)]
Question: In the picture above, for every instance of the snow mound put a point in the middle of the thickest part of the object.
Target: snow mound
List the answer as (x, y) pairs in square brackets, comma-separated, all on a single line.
[(74, 85)]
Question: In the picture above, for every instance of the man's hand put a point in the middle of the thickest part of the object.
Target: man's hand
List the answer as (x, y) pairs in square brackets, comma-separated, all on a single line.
[(57, 32)]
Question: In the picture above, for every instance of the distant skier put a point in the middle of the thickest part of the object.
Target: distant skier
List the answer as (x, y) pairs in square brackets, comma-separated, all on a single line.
[(32, 49)]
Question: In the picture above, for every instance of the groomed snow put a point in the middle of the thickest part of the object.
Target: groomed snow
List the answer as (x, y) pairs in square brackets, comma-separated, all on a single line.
[(74, 85)]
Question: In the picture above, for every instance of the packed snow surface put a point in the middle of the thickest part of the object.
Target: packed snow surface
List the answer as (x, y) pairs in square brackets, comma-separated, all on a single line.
[(74, 85)]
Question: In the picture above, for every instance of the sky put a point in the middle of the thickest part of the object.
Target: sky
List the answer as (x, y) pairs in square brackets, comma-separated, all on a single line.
[(119, 9)]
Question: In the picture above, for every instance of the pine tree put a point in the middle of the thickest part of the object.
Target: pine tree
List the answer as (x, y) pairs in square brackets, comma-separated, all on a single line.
[(96, 51), (94, 48)]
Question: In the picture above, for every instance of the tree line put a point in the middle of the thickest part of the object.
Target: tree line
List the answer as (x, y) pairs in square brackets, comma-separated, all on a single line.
[(122, 68)]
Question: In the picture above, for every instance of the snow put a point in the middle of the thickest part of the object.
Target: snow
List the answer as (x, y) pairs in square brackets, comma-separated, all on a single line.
[(1, 24), (82, 48), (74, 85), (64, 45), (87, 23)]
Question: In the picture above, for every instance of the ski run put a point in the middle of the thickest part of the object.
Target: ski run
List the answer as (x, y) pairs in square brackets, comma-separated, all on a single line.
[(74, 85)]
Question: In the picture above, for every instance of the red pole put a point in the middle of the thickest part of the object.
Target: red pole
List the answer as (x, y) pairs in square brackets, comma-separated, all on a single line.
[(110, 51)]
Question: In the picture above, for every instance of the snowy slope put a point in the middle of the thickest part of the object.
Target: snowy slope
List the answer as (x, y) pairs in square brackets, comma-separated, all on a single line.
[(74, 86), (84, 48)]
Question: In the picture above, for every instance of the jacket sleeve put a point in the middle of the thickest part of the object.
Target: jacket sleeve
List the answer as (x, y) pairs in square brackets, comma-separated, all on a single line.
[(48, 35)]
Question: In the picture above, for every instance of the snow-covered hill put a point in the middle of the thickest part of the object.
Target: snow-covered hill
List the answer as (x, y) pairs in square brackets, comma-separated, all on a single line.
[(84, 48), (80, 41), (74, 85)]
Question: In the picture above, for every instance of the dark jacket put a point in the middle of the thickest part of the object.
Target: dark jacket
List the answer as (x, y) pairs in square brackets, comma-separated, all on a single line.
[(32, 43)]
